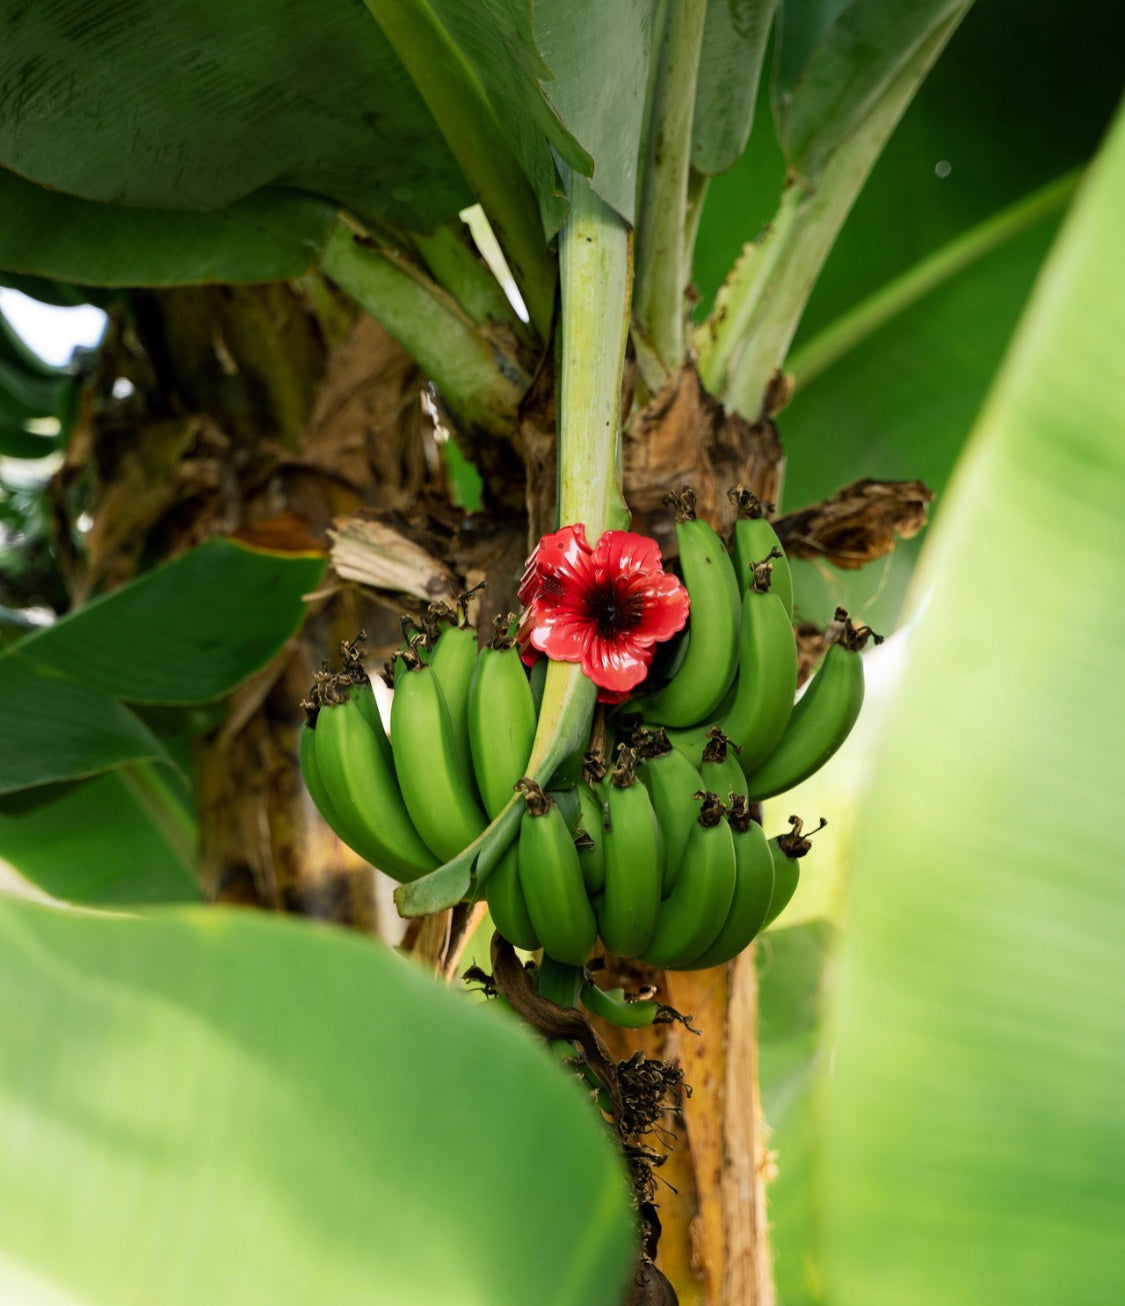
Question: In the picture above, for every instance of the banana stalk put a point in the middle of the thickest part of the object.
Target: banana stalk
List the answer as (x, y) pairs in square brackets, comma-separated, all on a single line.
[(596, 271)]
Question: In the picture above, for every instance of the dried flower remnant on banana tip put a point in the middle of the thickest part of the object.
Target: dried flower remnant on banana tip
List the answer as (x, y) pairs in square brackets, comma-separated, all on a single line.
[(605, 606)]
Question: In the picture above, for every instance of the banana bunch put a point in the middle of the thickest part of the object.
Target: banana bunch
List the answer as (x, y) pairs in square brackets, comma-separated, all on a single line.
[(649, 843)]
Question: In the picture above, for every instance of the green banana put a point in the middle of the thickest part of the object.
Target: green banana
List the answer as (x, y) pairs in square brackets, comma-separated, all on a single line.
[(720, 769), (454, 662), (590, 836), (753, 890), (755, 539), (611, 1006), (787, 849), (711, 660), (439, 794), (551, 878), (693, 913), (310, 773), (823, 716), (354, 766), (538, 680), (767, 674), (634, 863), (507, 904), (501, 720), (671, 781)]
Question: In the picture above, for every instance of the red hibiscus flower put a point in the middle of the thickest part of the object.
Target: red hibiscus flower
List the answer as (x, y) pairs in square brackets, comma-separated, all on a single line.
[(604, 607)]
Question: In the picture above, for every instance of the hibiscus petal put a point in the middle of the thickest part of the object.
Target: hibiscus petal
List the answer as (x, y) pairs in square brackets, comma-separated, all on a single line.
[(562, 633), (665, 611), (615, 665), (563, 555), (622, 553)]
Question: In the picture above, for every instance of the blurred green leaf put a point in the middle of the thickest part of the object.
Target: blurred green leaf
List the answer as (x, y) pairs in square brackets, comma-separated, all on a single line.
[(899, 404), (1000, 68), (218, 1107), (18, 442), (96, 843), (792, 1053), (195, 104), (836, 60), (187, 631), (735, 35), (56, 728), (270, 235), (976, 1147)]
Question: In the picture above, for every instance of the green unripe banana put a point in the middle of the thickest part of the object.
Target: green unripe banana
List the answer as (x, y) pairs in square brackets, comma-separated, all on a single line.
[(551, 878), (454, 663), (720, 769), (672, 782), (711, 660), (537, 678), (355, 768), (507, 904), (787, 850), (767, 674), (754, 540), (591, 841), (634, 863), (310, 773), (822, 718), (440, 796), (693, 913), (610, 1005), (753, 890), (501, 716)]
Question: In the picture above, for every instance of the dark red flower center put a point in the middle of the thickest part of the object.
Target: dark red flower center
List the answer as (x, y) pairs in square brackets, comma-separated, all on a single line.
[(614, 610)]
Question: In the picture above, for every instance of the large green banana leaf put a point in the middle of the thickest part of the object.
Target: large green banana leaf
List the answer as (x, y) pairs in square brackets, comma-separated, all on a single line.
[(208, 1106), (120, 837), (187, 631), (974, 1133)]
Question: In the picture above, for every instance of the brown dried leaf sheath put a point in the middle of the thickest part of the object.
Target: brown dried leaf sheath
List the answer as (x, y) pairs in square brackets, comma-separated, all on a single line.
[(858, 523)]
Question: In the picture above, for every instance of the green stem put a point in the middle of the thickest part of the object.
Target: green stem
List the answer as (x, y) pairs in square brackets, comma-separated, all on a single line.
[(596, 277), (742, 296), (481, 384), (867, 317), (658, 302), (740, 348), (457, 268), (595, 269), (163, 809), (696, 197), (461, 108)]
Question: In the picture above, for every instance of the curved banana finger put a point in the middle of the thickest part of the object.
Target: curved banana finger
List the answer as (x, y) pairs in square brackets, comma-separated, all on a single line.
[(711, 660), (693, 913), (551, 878), (634, 863), (822, 718)]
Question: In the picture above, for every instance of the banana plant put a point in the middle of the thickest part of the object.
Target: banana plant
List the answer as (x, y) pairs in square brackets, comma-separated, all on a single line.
[(296, 179)]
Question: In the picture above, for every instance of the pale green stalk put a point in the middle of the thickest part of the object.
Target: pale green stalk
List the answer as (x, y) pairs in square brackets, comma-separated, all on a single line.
[(696, 197), (747, 337), (465, 116), (659, 307), (596, 275), (481, 384), (457, 267), (595, 269)]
